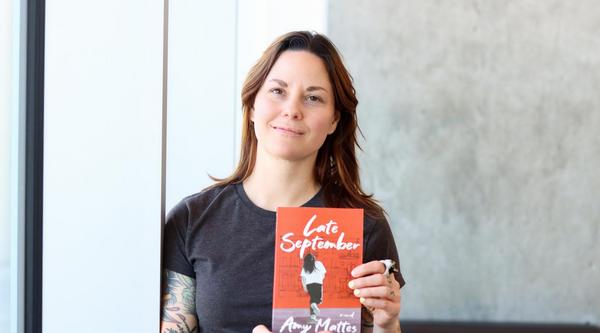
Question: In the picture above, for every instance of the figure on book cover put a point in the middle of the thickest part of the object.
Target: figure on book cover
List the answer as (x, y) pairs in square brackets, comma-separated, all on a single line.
[(313, 274)]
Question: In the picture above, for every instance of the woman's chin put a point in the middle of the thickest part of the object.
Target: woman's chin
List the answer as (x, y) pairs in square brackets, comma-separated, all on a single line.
[(289, 155)]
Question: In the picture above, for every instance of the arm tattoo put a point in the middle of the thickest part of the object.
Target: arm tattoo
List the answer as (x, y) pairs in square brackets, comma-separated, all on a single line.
[(178, 300), (182, 327)]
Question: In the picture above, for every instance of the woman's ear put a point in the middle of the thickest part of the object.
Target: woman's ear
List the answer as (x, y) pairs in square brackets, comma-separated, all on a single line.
[(334, 123), (252, 114)]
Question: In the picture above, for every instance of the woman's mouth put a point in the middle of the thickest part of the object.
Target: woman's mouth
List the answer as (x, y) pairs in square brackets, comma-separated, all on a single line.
[(287, 130)]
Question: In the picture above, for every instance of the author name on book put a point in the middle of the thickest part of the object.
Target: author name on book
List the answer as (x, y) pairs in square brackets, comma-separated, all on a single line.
[(342, 326)]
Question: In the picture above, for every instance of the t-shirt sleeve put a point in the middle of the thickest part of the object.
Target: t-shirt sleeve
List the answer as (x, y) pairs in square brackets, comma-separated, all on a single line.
[(175, 255), (321, 267), (379, 244)]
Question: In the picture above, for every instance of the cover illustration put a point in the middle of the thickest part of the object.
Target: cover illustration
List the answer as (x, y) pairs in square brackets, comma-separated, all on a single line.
[(315, 251)]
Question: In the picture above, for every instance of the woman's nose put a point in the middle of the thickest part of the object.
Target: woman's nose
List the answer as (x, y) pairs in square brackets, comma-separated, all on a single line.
[(293, 110)]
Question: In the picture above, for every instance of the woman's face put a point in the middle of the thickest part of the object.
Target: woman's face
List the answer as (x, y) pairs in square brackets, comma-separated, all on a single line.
[(294, 109)]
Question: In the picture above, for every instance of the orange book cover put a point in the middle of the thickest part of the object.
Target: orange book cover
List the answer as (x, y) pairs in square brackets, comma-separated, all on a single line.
[(315, 251)]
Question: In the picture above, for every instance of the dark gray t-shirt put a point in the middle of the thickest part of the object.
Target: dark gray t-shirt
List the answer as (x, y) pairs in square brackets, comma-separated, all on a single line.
[(224, 241)]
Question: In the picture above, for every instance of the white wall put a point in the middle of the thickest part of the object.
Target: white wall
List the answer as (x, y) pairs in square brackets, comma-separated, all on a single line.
[(103, 126), (102, 166), (12, 42), (5, 144), (201, 95)]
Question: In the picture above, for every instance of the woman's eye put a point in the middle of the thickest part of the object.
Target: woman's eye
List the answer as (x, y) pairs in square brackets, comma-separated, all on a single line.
[(313, 98), (276, 91)]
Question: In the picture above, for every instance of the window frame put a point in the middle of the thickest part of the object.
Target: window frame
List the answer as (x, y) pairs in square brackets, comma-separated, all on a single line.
[(34, 166)]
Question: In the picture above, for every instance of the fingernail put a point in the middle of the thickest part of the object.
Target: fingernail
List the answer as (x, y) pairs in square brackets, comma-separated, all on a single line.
[(353, 273), (362, 300), (356, 292), (351, 284)]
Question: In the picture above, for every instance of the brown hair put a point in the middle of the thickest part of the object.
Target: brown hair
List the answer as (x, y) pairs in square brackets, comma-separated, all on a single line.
[(336, 167)]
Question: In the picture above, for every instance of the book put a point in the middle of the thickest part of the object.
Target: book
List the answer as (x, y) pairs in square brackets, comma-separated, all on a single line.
[(315, 251)]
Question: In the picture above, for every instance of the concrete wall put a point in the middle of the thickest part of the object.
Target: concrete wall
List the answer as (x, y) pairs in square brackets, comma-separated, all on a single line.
[(481, 121)]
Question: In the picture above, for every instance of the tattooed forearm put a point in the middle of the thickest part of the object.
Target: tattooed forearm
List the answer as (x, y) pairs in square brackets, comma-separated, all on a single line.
[(178, 310), (179, 292), (182, 327)]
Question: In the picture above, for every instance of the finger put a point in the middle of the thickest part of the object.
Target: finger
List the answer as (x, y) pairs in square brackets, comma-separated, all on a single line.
[(261, 329), (374, 280), (390, 293), (372, 267), (392, 309)]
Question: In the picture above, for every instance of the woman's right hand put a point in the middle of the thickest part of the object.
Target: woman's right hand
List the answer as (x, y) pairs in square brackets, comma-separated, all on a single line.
[(264, 329)]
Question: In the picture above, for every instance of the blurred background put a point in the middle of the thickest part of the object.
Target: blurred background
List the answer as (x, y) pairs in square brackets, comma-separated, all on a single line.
[(480, 123)]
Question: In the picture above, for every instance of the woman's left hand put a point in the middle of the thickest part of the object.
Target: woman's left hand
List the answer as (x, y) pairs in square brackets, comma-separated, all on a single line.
[(379, 293)]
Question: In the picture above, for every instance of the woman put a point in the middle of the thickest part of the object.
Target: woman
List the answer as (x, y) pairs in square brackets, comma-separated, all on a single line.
[(312, 275), (298, 149)]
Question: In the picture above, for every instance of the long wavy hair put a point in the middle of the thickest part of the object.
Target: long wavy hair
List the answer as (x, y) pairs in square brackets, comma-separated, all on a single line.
[(336, 168), (309, 263)]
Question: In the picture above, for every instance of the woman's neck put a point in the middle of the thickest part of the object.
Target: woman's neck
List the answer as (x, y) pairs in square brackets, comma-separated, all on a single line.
[(281, 183)]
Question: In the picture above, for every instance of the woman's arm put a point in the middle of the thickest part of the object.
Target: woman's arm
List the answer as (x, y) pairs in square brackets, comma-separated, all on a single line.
[(178, 306)]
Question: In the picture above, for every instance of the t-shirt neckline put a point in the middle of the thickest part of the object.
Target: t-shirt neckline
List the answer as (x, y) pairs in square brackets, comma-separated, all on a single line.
[(315, 201)]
